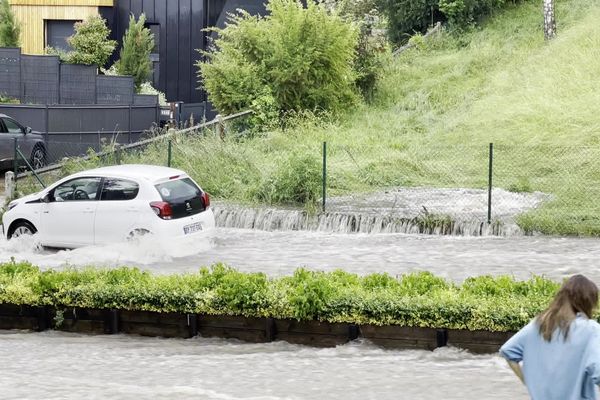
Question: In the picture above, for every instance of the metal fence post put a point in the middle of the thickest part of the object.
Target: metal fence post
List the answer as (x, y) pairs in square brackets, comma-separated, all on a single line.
[(16, 161), (490, 170), (118, 153), (169, 150), (324, 174)]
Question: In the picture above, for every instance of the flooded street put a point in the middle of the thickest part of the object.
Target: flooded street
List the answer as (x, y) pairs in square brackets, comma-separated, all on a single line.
[(57, 365), (279, 253), (53, 365)]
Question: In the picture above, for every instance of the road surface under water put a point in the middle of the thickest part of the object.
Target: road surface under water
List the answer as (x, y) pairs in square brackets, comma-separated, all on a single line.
[(279, 253), (55, 365)]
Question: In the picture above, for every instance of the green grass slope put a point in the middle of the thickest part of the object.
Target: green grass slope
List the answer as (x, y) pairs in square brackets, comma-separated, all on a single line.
[(437, 108)]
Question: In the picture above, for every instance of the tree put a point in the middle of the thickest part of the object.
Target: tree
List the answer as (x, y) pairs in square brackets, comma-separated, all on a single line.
[(90, 43), (138, 43), (549, 21), (9, 27), (295, 58)]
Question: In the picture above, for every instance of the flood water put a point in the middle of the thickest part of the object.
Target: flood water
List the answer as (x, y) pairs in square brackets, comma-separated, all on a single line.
[(279, 253), (54, 365)]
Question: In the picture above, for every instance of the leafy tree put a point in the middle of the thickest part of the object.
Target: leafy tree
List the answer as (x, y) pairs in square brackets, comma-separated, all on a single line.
[(138, 42), (90, 43), (9, 27), (292, 59)]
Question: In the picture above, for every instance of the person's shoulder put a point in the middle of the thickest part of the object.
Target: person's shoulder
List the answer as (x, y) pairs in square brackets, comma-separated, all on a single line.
[(590, 325)]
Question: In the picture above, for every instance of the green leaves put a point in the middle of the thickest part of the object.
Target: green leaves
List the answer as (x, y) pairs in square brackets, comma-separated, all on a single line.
[(138, 42), (417, 299), (10, 29), (294, 59), (90, 43)]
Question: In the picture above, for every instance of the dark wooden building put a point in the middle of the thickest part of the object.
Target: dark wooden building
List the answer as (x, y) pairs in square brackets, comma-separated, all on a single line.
[(178, 27)]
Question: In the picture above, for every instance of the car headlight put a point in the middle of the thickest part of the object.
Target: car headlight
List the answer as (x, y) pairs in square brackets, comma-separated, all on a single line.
[(12, 204)]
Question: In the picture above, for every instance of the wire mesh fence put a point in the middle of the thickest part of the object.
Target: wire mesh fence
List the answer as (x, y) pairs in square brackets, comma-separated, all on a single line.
[(466, 187)]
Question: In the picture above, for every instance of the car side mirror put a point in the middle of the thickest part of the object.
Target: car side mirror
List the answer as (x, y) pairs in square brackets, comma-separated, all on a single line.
[(28, 129), (46, 198)]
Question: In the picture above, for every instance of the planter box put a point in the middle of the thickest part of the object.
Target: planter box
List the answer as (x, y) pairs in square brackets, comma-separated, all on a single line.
[(404, 337), (249, 329), (478, 341)]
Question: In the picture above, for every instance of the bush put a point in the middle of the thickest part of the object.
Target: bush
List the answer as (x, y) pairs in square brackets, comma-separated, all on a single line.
[(134, 60), (10, 29), (405, 17), (293, 59), (418, 299), (297, 180), (90, 43)]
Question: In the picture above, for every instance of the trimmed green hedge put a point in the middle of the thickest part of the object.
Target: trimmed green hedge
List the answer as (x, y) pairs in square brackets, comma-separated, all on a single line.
[(417, 299)]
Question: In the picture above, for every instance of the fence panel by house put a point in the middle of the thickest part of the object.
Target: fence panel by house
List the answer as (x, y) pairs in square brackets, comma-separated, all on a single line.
[(40, 79), (77, 84), (10, 72), (114, 90)]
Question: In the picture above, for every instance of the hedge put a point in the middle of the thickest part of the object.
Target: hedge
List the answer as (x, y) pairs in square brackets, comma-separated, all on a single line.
[(416, 299)]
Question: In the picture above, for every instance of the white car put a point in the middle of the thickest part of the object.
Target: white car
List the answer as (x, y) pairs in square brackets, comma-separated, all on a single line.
[(111, 204)]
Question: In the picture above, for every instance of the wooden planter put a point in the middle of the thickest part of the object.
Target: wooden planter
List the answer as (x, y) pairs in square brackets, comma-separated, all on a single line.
[(250, 329)]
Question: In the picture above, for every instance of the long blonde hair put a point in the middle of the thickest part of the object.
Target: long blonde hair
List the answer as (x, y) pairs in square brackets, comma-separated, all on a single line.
[(578, 294)]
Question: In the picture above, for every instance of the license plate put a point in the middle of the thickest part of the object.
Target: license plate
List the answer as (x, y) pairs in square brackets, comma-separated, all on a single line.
[(192, 228)]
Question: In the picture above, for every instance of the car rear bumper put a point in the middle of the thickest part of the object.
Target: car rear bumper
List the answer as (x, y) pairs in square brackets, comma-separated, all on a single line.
[(186, 226)]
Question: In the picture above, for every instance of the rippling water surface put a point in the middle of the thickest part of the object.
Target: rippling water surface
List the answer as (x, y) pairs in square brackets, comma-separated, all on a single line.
[(53, 365), (278, 253)]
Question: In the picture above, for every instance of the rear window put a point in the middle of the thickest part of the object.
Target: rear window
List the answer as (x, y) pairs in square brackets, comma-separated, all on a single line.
[(183, 195), (178, 189)]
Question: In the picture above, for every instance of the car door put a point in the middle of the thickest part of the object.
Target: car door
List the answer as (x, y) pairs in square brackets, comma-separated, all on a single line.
[(9, 131), (118, 211), (68, 219)]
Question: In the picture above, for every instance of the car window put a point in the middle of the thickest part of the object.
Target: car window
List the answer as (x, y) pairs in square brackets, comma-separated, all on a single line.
[(77, 190), (119, 189), (2, 128), (12, 126), (178, 189)]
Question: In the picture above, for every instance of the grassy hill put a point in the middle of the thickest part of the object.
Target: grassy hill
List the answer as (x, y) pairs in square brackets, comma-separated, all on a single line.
[(437, 108)]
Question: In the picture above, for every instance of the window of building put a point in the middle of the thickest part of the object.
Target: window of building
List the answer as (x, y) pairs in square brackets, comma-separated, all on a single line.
[(57, 32)]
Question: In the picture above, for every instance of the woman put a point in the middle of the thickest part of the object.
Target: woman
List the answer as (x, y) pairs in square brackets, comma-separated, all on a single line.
[(560, 349)]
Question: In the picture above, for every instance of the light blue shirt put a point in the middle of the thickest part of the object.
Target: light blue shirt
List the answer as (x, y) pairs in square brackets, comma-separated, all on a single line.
[(559, 369)]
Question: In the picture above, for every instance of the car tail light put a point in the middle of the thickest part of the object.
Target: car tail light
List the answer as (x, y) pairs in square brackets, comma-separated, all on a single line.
[(162, 209), (205, 199)]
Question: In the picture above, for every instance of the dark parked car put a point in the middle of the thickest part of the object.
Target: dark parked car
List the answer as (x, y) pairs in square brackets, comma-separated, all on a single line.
[(31, 143)]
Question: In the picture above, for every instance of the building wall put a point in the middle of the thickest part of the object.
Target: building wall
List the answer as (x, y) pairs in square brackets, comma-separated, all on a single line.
[(32, 13), (180, 24)]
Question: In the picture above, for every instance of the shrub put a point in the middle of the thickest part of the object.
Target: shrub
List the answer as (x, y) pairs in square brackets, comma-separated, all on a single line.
[(90, 43), (419, 299), (407, 16), (371, 46), (297, 179), (10, 29), (293, 59), (134, 60)]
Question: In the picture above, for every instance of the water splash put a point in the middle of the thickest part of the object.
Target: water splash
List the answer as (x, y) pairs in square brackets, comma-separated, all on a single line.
[(411, 211)]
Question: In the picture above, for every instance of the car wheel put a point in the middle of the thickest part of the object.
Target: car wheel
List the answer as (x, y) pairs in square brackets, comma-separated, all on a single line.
[(138, 233), (22, 228), (38, 157)]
